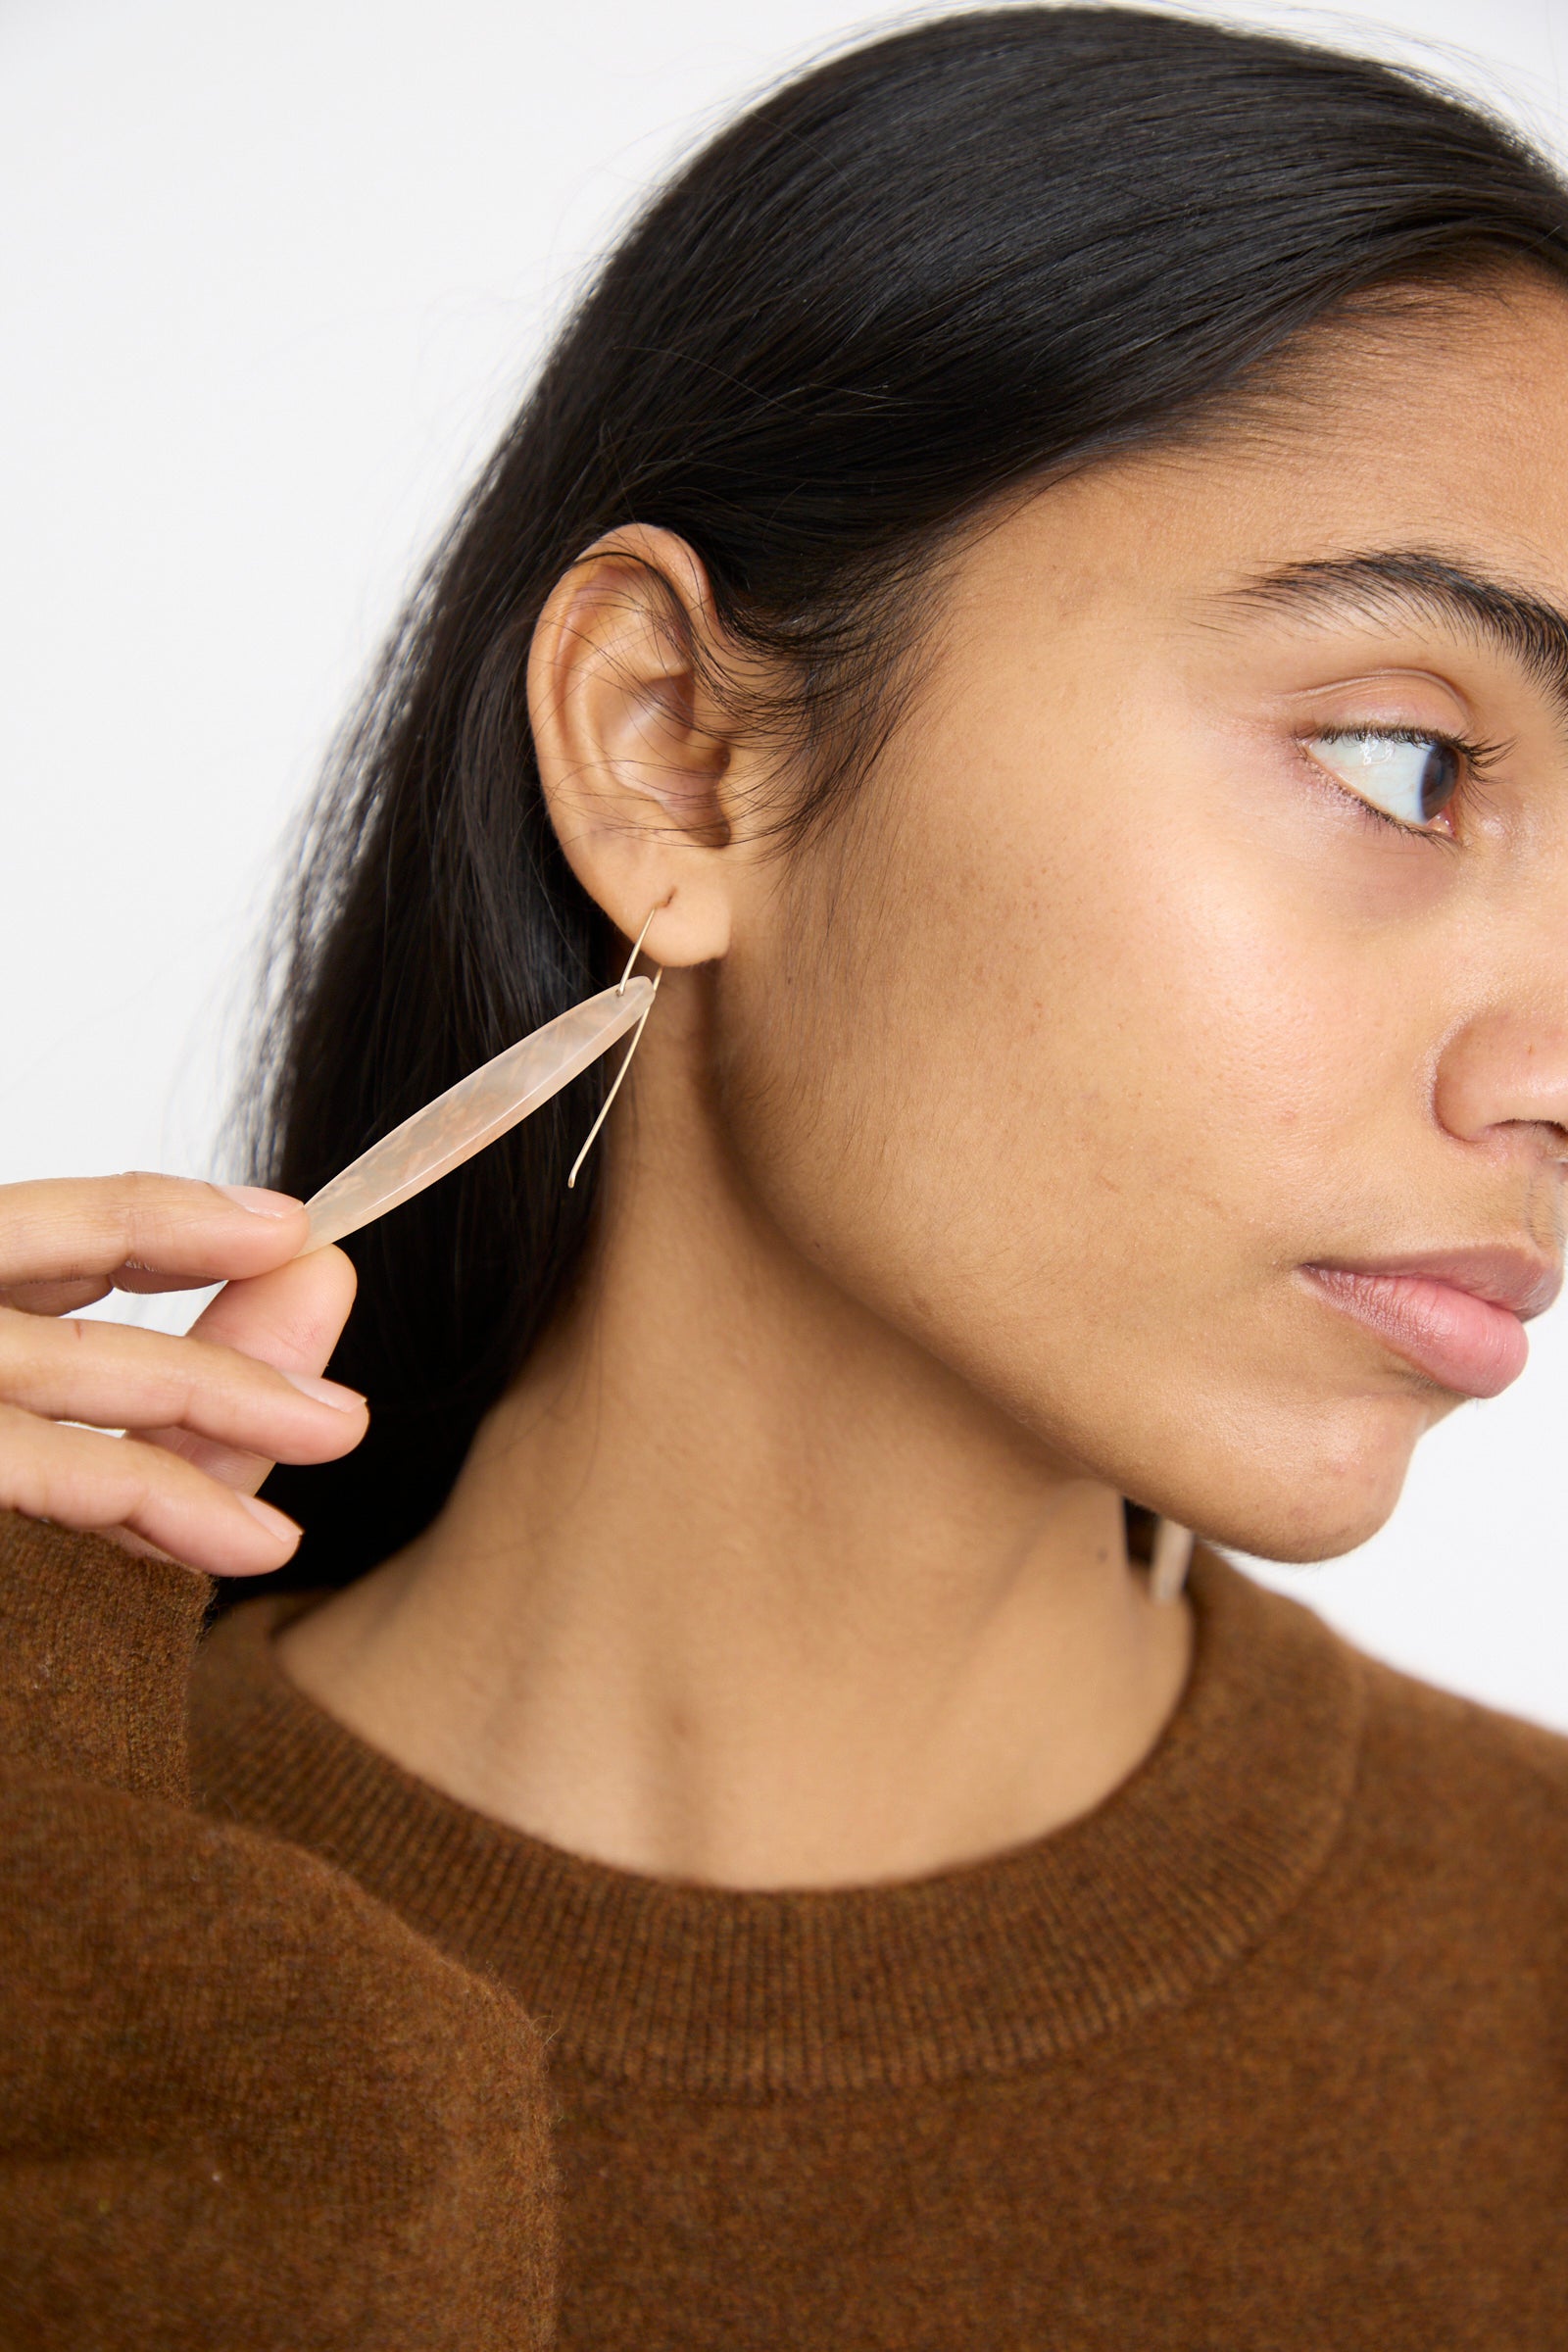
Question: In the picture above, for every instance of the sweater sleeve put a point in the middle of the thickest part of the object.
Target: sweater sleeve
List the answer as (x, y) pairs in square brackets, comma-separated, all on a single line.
[(241, 2103)]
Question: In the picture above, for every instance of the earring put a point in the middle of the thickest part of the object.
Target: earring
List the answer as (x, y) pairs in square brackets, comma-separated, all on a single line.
[(484, 1106), (636, 1038), (1173, 1552)]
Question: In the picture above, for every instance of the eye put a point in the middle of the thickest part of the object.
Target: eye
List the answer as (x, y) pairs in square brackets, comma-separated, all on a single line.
[(1409, 776)]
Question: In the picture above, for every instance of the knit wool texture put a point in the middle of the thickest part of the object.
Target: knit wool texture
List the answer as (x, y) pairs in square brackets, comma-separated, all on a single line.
[(1268, 2052)]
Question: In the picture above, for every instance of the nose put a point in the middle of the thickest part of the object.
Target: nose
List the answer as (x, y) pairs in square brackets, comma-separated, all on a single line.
[(1503, 1078)]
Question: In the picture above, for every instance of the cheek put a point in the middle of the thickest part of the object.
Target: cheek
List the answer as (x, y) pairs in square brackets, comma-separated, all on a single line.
[(1062, 1084), (1027, 1042), (1233, 990), (1143, 1033)]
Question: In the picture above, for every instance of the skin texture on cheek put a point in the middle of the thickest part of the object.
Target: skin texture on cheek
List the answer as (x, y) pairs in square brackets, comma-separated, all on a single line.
[(1070, 1135)]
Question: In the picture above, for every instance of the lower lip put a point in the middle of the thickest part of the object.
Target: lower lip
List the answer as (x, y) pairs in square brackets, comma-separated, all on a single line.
[(1462, 1341)]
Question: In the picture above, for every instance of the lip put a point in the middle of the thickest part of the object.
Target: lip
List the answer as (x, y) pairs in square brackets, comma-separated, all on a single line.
[(1458, 1315)]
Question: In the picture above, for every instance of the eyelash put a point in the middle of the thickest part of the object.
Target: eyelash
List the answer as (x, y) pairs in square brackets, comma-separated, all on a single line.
[(1475, 758)]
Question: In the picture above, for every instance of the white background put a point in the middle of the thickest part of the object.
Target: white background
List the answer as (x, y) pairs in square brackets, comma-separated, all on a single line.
[(271, 274)]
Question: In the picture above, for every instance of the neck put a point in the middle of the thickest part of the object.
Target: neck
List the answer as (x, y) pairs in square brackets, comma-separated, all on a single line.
[(739, 1586)]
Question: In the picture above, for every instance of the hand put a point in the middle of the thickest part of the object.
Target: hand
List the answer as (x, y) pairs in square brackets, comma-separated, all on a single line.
[(205, 1416)]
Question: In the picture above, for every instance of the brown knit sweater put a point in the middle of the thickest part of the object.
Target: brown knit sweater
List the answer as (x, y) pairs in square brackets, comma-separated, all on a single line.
[(1269, 2052)]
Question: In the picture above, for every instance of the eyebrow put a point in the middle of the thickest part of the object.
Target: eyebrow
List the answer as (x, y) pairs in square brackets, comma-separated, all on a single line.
[(1509, 621)]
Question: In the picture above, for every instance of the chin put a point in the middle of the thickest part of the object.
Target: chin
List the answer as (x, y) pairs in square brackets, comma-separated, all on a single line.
[(1320, 1488), (1299, 1541)]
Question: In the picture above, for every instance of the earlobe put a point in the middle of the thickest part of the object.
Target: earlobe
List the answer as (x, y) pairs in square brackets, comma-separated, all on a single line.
[(633, 751)]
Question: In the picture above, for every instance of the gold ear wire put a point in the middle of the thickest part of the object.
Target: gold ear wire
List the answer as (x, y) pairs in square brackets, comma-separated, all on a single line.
[(620, 991), (637, 948)]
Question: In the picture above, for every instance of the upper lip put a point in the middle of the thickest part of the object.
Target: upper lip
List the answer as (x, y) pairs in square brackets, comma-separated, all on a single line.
[(1521, 1280)]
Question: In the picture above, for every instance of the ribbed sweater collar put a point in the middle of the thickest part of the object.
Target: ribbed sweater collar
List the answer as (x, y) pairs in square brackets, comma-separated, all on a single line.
[(974, 1971)]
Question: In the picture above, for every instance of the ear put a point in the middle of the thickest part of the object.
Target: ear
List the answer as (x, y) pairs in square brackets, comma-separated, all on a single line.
[(635, 755)]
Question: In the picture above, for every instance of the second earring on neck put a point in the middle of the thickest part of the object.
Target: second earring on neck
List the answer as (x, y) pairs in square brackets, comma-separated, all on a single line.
[(1172, 1556)]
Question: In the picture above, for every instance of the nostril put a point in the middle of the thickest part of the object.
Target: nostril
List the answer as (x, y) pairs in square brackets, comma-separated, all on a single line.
[(1552, 1134), (1507, 1073)]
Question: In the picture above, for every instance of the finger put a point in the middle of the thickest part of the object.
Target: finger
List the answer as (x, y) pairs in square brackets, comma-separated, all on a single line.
[(80, 1478), (173, 1228), (116, 1378), (143, 1280), (291, 1319), (54, 1298)]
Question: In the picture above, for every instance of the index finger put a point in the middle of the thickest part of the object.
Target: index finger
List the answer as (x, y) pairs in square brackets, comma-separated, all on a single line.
[(159, 1231)]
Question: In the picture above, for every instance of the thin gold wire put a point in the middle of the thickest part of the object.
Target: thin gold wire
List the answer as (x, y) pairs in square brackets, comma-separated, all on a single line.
[(637, 948), (636, 1037)]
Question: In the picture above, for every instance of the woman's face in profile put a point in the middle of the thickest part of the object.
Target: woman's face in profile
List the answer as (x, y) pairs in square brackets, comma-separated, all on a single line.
[(1206, 923)]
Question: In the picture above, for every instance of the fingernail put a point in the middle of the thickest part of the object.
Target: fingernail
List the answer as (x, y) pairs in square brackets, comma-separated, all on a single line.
[(326, 1391), (276, 1523), (260, 1201)]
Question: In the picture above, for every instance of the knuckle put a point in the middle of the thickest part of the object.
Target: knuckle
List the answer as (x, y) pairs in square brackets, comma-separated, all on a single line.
[(18, 1338), (148, 1215)]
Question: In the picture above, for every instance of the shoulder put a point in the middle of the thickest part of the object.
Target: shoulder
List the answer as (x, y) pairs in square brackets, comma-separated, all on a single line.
[(1486, 1765), (1459, 1814), (1429, 1805), (1422, 1752)]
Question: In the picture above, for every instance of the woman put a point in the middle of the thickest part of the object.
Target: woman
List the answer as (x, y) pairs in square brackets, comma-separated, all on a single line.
[(1034, 583)]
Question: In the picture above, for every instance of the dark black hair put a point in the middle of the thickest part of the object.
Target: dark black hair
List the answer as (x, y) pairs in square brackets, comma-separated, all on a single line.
[(941, 264)]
